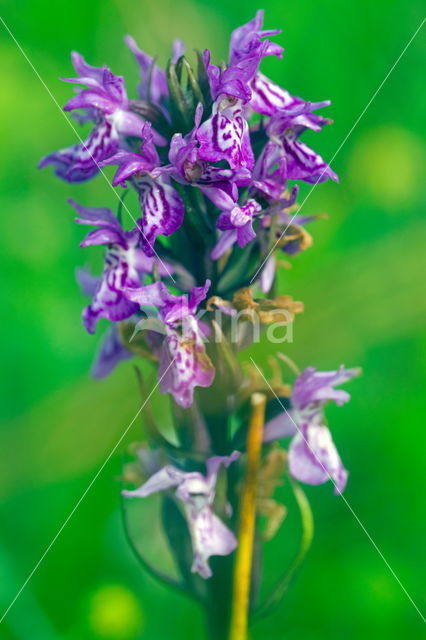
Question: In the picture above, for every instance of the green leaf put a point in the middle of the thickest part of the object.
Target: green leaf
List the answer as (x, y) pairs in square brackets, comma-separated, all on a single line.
[(179, 107), (239, 269), (146, 565), (283, 583), (192, 81)]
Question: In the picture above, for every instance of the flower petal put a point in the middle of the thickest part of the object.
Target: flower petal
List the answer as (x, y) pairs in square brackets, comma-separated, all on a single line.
[(226, 241), (110, 354), (162, 210), (153, 83), (313, 458), (103, 235), (312, 387), (110, 300), (164, 479), (302, 163), (210, 537), (282, 426), (151, 295), (225, 136), (94, 215), (88, 282), (184, 365), (81, 161)]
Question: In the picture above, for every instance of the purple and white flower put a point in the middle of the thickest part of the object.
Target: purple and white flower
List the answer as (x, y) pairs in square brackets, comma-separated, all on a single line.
[(232, 171), (285, 157), (209, 535), (125, 262), (184, 363), (236, 224), (173, 309), (188, 167), (312, 456), (225, 135), (161, 205), (105, 102), (266, 97), (248, 39)]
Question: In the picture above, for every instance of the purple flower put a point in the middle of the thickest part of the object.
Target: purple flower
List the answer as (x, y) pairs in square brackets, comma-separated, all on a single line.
[(153, 81), (266, 97), (184, 363), (161, 205), (173, 309), (209, 535), (124, 264), (246, 42), (225, 135), (269, 174), (267, 275), (237, 225), (111, 352), (313, 457), (188, 167), (295, 159), (315, 388), (247, 49), (247, 39), (234, 80), (105, 102)]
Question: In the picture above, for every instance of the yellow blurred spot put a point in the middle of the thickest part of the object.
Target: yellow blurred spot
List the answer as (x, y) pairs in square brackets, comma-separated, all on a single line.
[(387, 163), (115, 613), (383, 588)]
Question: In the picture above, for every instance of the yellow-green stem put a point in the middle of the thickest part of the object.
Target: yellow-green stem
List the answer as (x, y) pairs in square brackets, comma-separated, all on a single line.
[(247, 522)]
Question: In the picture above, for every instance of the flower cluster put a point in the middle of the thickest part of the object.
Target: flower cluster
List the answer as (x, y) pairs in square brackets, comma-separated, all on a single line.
[(213, 158)]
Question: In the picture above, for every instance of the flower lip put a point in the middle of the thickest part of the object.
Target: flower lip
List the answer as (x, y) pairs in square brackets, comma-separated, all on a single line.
[(209, 535)]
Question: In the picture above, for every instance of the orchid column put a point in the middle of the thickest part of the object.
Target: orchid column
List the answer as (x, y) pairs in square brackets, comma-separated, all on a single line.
[(211, 159)]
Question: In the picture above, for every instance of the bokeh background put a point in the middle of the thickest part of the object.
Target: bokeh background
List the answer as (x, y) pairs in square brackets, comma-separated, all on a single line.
[(362, 283)]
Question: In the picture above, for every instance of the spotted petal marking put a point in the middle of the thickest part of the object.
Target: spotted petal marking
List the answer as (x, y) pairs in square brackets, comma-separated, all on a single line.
[(162, 209), (210, 537), (225, 136), (109, 300), (191, 367)]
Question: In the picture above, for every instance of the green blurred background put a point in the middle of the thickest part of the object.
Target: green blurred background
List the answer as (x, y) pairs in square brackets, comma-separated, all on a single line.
[(362, 283)]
